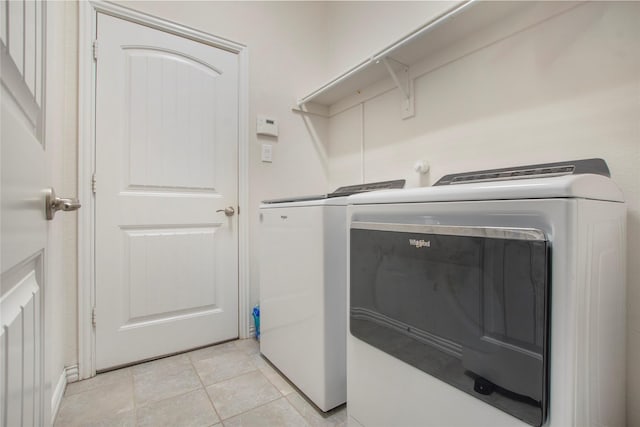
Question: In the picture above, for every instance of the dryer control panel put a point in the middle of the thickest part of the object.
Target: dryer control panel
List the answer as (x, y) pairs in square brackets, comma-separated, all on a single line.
[(574, 167)]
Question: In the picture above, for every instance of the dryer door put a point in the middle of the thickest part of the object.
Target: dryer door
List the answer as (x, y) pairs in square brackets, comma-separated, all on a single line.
[(465, 304)]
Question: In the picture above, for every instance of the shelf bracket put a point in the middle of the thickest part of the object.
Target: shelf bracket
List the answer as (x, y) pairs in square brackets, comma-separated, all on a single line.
[(404, 84), (311, 108)]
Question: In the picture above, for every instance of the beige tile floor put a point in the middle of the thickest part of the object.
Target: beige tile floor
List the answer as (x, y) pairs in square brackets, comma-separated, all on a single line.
[(226, 385)]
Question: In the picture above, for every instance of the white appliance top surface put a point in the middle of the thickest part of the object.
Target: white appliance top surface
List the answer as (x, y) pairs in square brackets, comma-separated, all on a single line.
[(330, 201), (585, 186), (337, 198)]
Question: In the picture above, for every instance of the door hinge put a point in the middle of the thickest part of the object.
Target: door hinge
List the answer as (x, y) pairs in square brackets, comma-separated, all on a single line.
[(93, 317), (95, 49), (93, 183)]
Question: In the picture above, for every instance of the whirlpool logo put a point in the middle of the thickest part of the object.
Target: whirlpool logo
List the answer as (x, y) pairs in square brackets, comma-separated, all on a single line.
[(420, 243)]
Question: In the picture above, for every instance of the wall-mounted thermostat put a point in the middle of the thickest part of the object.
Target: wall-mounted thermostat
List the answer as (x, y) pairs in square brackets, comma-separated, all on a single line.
[(267, 126)]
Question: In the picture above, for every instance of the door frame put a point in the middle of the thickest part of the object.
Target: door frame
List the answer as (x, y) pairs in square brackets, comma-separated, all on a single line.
[(88, 11)]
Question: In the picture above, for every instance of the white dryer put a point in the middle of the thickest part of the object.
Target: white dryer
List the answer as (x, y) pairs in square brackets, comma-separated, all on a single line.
[(303, 290), (489, 300)]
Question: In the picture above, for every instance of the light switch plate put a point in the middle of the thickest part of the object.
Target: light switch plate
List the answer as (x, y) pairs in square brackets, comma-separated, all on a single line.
[(267, 153)]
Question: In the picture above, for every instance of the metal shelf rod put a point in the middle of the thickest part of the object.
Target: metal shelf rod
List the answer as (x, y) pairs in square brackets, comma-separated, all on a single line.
[(386, 51)]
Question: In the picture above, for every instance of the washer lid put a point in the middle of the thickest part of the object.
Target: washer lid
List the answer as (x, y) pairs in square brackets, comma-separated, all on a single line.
[(585, 186), (337, 195), (314, 197), (326, 201)]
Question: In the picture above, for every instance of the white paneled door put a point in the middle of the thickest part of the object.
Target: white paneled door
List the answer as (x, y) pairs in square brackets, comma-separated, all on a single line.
[(23, 233), (166, 170)]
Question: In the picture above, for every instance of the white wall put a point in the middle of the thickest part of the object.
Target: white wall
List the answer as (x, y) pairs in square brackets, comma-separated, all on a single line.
[(61, 140), (357, 30), (566, 88)]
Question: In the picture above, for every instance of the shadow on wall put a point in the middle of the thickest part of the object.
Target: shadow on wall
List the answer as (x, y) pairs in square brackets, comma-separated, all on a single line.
[(316, 126), (544, 65), (533, 96)]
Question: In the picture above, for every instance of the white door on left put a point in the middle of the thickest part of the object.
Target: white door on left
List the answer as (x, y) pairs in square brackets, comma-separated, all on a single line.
[(23, 231)]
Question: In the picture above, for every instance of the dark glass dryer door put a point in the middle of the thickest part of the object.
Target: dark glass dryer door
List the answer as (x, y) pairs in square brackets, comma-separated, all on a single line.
[(467, 305)]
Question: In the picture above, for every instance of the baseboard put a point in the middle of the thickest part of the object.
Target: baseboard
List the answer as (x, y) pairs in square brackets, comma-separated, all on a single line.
[(70, 374), (58, 393), (73, 374)]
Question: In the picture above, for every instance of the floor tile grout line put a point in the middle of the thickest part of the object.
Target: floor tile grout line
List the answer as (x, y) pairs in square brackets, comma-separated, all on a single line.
[(154, 402), (284, 396), (204, 387), (133, 397), (91, 388), (296, 391), (251, 409), (303, 397), (278, 373), (248, 354), (297, 410), (272, 383), (260, 406), (78, 395), (307, 420), (257, 369)]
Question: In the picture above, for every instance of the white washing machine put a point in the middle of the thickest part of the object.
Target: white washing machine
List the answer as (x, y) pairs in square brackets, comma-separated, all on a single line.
[(489, 300), (303, 290)]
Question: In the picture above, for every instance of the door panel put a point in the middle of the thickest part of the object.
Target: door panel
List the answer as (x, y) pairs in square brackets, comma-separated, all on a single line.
[(20, 337), (162, 110), (166, 161), (23, 230), (180, 255)]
